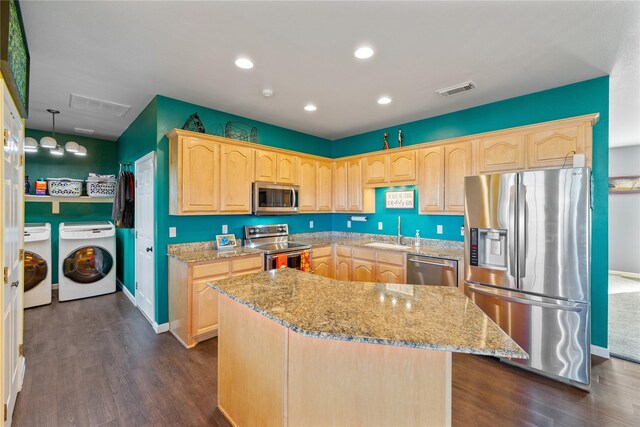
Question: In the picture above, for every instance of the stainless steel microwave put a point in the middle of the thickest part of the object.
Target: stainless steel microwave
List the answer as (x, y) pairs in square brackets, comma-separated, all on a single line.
[(275, 199)]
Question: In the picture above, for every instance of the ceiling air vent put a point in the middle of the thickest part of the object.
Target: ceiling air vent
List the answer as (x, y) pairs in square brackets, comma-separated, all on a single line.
[(84, 131), (98, 106), (459, 88)]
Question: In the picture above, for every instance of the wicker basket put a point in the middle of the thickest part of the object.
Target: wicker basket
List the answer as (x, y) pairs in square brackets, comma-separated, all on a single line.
[(102, 188), (64, 187)]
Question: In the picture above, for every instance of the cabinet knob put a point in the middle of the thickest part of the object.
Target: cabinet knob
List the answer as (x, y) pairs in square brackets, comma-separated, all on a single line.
[(149, 249)]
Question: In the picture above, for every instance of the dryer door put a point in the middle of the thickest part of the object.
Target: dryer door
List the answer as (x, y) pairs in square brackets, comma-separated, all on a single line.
[(35, 270), (87, 264)]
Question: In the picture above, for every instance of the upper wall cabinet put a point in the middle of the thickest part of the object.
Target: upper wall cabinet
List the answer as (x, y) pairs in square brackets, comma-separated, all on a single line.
[(235, 179), (275, 167), (552, 147), (286, 172), (324, 175), (193, 177), (402, 167), (340, 169), (431, 179), (376, 169), (458, 163), (308, 185), (500, 154)]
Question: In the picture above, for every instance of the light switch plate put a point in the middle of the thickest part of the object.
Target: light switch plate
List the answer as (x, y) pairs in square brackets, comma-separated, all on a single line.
[(310, 224), (172, 232), (462, 230), (380, 225), (439, 229), (348, 224), (225, 229)]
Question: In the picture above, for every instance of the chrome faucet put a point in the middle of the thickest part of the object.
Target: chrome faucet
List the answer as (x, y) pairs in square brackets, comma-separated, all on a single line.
[(399, 239)]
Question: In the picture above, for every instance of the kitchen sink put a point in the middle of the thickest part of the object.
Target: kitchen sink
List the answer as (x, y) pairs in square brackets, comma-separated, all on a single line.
[(387, 246)]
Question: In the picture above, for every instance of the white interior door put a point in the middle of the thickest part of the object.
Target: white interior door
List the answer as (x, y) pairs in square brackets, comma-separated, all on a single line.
[(12, 223), (145, 241)]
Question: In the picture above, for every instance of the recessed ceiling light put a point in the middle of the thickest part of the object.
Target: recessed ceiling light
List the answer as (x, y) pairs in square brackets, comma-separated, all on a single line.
[(384, 100), (244, 63), (310, 107), (363, 52)]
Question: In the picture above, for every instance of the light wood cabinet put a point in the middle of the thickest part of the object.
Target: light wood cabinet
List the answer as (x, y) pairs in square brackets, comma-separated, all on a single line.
[(340, 184), (354, 185), (324, 174), (286, 170), (343, 263), (376, 169), (363, 265), (431, 179), (458, 163), (402, 167), (500, 154), (552, 147), (194, 182), (387, 273), (193, 306), (265, 165), (235, 179), (322, 261), (308, 185)]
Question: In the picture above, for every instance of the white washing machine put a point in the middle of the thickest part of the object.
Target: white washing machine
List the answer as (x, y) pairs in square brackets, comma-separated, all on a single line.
[(37, 264), (87, 252)]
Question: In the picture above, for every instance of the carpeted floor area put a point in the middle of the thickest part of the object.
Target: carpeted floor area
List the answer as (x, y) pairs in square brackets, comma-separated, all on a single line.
[(624, 318)]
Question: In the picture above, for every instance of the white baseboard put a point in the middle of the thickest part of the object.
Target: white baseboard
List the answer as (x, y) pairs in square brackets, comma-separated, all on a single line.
[(24, 370), (160, 328), (600, 351), (625, 274), (126, 292), (54, 286)]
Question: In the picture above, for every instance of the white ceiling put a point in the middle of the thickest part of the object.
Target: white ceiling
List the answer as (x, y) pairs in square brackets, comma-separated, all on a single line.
[(127, 52)]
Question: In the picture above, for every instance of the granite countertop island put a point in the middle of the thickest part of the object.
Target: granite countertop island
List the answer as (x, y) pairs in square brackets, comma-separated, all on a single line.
[(299, 349), (434, 317)]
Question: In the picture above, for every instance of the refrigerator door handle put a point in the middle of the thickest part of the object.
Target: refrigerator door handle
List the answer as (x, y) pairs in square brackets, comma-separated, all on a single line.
[(567, 306), (512, 234), (522, 232)]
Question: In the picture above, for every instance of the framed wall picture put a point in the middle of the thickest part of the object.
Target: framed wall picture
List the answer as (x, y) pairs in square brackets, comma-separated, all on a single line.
[(14, 54), (225, 241), (399, 199), (624, 184)]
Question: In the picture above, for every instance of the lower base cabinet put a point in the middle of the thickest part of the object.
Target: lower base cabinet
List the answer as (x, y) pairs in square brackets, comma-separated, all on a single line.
[(322, 261), (193, 306)]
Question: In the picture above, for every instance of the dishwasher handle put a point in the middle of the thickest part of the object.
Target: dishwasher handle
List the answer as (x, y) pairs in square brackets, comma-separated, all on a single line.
[(443, 263)]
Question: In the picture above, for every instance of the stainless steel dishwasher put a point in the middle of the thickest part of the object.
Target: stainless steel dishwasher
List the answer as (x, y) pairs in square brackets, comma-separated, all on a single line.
[(426, 270)]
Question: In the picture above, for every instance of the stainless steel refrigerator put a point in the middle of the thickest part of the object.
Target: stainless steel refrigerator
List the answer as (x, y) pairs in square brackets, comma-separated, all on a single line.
[(527, 261)]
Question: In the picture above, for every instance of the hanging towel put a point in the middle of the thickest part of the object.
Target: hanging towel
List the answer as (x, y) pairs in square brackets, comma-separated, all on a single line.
[(281, 261), (305, 262)]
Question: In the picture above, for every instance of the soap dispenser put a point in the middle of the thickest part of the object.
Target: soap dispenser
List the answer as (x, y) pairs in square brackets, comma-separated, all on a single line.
[(417, 242)]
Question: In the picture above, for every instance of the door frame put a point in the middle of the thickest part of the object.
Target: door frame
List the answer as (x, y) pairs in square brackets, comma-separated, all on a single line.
[(149, 156)]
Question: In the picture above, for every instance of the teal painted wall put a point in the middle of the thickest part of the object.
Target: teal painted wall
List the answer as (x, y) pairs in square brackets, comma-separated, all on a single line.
[(591, 96), (101, 158)]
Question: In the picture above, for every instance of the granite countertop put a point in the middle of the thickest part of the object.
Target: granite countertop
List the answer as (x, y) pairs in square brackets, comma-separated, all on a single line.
[(204, 251), (433, 317)]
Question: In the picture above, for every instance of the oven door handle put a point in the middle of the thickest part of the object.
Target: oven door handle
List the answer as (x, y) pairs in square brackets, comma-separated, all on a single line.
[(289, 254)]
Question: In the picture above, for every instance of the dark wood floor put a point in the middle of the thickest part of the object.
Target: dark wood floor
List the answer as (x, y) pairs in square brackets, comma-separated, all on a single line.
[(98, 362)]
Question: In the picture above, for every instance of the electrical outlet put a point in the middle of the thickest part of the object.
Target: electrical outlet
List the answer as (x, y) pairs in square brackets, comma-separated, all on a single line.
[(172, 232), (310, 224), (462, 230), (348, 224), (439, 229), (380, 225), (225, 229)]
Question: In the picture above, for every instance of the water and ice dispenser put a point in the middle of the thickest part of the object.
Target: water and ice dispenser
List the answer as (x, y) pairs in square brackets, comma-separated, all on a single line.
[(488, 248)]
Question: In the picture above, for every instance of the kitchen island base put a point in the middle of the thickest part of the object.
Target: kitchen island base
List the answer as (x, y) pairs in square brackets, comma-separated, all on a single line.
[(269, 375)]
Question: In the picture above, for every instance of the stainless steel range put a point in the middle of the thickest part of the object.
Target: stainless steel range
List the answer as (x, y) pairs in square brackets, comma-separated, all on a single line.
[(279, 252)]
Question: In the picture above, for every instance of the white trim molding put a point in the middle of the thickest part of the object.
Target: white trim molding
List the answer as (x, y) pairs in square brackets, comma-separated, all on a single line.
[(600, 351), (161, 328), (54, 286), (625, 274), (126, 292)]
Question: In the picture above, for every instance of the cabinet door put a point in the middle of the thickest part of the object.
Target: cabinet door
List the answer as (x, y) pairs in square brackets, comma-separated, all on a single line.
[(287, 168), (402, 167), (354, 185), (340, 186), (321, 266), (376, 169), (265, 165), (363, 270), (343, 268), (457, 164), (324, 174), (198, 171), (501, 154), (308, 185), (235, 179), (387, 273), (551, 147), (204, 314), (431, 179)]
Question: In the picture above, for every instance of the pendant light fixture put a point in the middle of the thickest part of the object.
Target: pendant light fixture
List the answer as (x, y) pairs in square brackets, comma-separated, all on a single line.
[(50, 141), (30, 145), (72, 146), (82, 151)]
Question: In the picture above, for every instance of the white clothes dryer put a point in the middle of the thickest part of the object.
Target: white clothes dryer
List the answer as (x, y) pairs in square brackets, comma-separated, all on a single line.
[(37, 264), (87, 265)]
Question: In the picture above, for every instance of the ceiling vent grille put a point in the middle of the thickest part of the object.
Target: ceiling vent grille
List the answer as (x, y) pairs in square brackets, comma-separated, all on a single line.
[(84, 131), (455, 89), (98, 106)]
